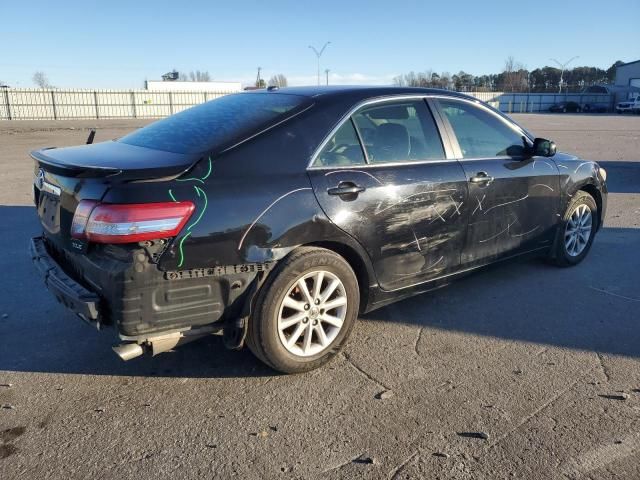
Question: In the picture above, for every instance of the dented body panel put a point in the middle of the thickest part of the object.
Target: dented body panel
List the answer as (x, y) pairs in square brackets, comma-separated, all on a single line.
[(411, 221), (517, 211)]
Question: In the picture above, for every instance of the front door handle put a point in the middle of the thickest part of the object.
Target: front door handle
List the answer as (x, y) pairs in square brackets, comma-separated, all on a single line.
[(346, 188), (481, 177)]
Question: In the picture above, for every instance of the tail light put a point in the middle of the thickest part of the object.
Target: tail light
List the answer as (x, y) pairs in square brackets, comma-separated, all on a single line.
[(129, 223)]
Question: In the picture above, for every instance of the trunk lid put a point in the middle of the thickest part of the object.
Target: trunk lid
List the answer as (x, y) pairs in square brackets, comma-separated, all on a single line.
[(65, 176)]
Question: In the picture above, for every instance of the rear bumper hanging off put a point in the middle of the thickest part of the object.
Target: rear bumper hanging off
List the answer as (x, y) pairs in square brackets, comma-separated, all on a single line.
[(124, 288), (67, 291)]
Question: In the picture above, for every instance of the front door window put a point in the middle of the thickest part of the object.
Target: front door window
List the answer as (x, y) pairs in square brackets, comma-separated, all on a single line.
[(481, 134)]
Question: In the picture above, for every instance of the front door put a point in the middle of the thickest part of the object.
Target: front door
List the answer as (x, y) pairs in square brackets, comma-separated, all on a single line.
[(383, 178), (514, 199)]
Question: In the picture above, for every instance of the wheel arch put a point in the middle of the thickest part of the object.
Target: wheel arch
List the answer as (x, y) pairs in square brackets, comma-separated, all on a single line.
[(356, 261), (592, 190)]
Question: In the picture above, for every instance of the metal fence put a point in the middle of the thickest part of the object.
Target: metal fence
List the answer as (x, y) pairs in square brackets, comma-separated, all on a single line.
[(540, 102), (54, 104)]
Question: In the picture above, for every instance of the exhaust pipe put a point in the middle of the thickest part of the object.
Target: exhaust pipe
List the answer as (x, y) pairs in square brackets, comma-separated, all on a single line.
[(127, 351), (156, 345), (161, 343)]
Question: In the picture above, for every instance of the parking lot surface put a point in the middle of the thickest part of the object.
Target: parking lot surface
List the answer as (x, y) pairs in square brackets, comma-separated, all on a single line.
[(522, 370)]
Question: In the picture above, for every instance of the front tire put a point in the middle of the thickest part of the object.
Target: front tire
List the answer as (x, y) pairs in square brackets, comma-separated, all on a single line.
[(305, 311), (576, 233)]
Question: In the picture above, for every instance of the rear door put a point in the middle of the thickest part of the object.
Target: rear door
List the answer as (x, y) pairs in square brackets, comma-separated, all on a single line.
[(383, 177), (513, 199)]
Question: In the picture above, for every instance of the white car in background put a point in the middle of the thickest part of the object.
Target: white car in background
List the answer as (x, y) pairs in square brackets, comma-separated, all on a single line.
[(631, 105)]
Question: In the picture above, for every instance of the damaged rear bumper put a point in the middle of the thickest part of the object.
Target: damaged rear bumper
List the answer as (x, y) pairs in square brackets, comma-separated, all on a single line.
[(123, 287), (67, 291)]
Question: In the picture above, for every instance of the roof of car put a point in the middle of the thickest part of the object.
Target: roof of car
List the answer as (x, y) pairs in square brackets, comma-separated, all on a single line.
[(359, 91)]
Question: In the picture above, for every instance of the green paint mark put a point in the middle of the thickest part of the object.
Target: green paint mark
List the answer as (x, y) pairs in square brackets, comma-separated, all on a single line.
[(189, 179), (180, 248), (200, 193), (209, 172), (204, 208)]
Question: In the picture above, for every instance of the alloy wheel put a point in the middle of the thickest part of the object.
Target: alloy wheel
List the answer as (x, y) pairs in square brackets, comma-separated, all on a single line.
[(578, 230), (312, 313)]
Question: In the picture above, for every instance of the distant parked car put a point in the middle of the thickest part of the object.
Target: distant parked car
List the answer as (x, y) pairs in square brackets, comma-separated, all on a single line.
[(632, 105), (597, 89), (594, 108), (565, 107)]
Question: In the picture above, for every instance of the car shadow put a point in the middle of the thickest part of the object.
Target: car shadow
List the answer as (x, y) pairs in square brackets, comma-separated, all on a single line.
[(592, 306)]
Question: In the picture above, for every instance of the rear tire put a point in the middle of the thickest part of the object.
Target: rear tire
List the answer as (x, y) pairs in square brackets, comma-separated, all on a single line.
[(577, 230), (293, 330)]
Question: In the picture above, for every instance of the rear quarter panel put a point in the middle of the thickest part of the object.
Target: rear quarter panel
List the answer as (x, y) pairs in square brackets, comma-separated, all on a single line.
[(254, 202)]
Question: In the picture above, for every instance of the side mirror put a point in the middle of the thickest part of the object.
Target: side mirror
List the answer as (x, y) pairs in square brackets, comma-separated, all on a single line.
[(543, 148)]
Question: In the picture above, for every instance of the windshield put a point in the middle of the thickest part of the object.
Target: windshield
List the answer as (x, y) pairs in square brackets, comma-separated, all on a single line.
[(207, 126)]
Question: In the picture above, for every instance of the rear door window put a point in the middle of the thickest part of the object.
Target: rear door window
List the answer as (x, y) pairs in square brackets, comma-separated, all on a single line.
[(402, 131), (342, 149), (216, 123)]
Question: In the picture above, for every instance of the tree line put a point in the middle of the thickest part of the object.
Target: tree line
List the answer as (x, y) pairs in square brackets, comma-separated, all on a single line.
[(278, 80), (513, 78)]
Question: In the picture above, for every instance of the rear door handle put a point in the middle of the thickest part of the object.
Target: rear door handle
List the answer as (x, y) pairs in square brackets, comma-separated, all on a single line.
[(346, 188), (481, 177)]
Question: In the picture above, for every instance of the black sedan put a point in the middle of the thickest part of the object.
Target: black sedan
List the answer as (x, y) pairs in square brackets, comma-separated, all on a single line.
[(276, 217), (565, 107)]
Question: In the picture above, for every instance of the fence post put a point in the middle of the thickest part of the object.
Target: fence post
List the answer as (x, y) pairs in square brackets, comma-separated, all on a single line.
[(95, 102), (53, 104), (7, 103), (133, 104), (205, 97), (170, 103)]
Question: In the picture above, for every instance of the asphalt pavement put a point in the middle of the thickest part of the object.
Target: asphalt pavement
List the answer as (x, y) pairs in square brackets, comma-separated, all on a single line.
[(522, 370)]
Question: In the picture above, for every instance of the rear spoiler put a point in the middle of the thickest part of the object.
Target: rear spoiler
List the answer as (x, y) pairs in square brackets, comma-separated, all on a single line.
[(57, 161), (66, 169)]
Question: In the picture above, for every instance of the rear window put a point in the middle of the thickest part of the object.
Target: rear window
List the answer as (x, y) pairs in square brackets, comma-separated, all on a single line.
[(214, 123)]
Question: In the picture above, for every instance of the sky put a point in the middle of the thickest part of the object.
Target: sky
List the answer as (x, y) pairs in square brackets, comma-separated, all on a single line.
[(119, 44)]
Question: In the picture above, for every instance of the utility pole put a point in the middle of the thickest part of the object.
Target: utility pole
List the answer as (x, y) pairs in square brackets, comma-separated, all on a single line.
[(563, 66), (318, 55), (327, 74), (258, 77)]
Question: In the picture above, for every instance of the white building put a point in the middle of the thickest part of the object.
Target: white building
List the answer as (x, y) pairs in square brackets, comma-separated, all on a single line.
[(627, 80)]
